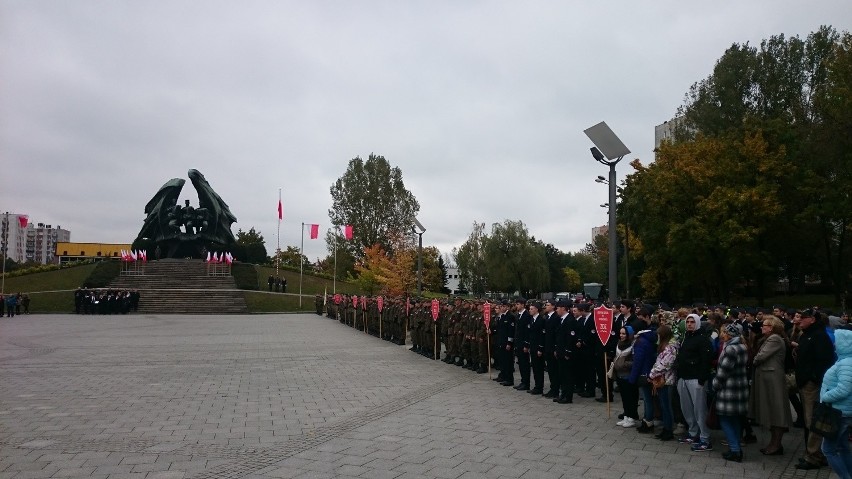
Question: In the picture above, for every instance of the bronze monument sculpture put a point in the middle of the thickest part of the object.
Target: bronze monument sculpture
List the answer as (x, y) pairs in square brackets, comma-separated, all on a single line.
[(183, 231)]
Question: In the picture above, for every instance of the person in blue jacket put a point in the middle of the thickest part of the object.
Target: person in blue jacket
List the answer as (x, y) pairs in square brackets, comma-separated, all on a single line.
[(837, 390), (644, 356)]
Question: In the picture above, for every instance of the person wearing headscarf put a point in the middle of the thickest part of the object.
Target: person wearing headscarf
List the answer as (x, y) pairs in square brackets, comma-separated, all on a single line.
[(693, 364)]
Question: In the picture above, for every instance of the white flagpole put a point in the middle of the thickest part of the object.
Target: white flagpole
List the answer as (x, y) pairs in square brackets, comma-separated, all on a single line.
[(334, 283), (278, 247), (301, 264)]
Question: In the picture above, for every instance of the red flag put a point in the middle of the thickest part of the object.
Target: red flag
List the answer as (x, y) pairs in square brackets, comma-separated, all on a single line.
[(280, 210), (347, 232), (23, 220), (314, 231)]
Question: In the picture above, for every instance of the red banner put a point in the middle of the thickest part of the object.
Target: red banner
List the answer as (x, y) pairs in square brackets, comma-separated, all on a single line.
[(486, 315), (380, 303), (337, 298), (603, 323), (436, 308), (314, 231)]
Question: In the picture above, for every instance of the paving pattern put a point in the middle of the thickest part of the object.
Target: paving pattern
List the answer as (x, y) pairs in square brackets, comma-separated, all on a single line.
[(298, 396)]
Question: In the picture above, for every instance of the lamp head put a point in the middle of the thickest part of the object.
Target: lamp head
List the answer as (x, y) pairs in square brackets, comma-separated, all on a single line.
[(597, 153)]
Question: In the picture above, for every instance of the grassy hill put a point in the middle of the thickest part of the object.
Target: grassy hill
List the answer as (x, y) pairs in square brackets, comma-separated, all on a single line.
[(50, 291), (262, 301)]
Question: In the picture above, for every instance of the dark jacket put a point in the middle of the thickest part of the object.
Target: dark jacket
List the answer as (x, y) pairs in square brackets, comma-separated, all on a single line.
[(644, 354), (506, 329), (537, 334), (566, 337), (695, 358), (552, 328), (522, 330), (815, 355)]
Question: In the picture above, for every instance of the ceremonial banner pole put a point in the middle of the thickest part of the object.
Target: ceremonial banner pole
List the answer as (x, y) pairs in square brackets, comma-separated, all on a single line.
[(603, 326), (301, 264), (436, 306), (486, 317)]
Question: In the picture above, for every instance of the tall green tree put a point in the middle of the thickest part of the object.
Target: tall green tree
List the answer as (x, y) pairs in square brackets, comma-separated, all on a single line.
[(371, 196), (250, 247), (470, 260), (755, 187), (514, 261)]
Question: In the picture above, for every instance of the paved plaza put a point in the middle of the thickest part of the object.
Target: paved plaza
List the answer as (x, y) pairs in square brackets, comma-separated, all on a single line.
[(299, 396)]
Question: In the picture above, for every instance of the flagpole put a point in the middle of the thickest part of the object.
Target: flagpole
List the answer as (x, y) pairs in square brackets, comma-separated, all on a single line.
[(301, 264), (278, 248), (334, 281)]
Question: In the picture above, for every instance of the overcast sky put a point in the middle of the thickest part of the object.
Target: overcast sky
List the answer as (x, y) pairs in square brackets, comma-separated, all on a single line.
[(481, 104)]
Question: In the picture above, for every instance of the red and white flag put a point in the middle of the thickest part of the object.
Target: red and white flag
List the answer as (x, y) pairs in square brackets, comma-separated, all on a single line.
[(23, 220), (133, 255), (215, 258), (280, 210), (144, 254), (347, 232), (228, 258), (208, 258), (314, 231)]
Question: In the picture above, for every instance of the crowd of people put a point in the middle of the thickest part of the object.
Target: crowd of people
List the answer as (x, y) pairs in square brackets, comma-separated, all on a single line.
[(105, 301), (13, 304), (695, 369)]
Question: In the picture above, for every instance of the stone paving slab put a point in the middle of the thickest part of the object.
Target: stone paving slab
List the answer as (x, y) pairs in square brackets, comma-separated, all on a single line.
[(298, 396)]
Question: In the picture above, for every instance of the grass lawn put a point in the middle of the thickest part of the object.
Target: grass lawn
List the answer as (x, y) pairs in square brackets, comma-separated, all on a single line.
[(50, 292), (311, 285)]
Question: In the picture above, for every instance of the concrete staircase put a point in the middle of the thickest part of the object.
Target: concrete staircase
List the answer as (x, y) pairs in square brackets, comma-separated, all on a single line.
[(181, 286)]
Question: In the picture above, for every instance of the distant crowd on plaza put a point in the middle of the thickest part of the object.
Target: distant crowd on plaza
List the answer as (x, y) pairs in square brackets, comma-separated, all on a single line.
[(695, 369), (105, 301), (12, 304)]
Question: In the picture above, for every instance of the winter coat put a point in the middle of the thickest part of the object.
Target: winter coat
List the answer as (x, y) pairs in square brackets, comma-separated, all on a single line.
[(644, 354), (815, 356), (694, 360), (837, 382), (731, 381), (623, 363), (664, 365), (768, 403)]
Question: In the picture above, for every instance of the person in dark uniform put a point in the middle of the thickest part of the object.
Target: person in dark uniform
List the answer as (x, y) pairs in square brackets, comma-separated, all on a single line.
[(536, 339), (318, 304), (551, 324), (284, 285), (506, 340), (566, 338), (271, 282), (618, 321), (522, 345), (78, 301), (584, 352)]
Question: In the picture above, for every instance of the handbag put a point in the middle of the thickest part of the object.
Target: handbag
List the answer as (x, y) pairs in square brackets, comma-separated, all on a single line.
[(712, 419), (826, 420), (790, 380)]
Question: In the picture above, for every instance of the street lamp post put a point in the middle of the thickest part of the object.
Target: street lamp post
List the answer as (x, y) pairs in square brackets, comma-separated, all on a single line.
[(419, 229), (602, 180), (608, 150)]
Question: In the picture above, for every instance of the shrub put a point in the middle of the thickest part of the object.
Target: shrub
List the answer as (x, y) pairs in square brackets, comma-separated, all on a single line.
[(245, 276), (103, 274)]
